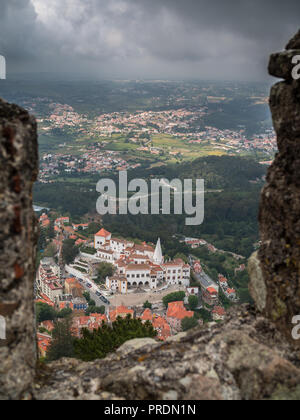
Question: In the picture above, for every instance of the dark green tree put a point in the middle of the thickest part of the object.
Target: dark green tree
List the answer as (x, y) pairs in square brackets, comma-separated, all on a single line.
[(193, 302), (64, 313), (104, 270), (62, 344), (189, 323), (173, 297), (50, 250), (51, 231), (45, 312), (95, 310), (93, 228), (87, 296), (205, 315), (69, 251), (181, 256), (147, 305), (107, 339), (42, 240)]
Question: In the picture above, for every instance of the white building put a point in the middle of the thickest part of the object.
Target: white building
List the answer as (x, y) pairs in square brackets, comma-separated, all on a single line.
[(48, 280), (101, 238), (117, 284), (139, 275), (158, 256), (177, 272), (138, 265), (105, 255)]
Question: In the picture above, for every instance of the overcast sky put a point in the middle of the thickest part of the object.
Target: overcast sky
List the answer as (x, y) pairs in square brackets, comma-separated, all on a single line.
[(203, 39)]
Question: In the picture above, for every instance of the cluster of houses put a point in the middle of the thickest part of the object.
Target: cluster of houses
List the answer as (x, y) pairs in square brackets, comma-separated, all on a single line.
[(93, 161), (137, 268), (53, 290), (166, 326), (209, 292), (44, 221), (228, 291), (195, 243)]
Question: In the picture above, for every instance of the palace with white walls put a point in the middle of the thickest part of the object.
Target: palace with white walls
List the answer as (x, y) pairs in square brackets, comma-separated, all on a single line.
[(138, 266)]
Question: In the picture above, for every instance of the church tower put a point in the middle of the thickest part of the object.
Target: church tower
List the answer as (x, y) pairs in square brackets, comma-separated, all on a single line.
[(158, 256)]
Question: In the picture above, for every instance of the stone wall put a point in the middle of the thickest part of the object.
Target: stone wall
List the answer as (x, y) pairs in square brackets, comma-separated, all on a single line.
[(280, 204), (250, 356), (18, 171)]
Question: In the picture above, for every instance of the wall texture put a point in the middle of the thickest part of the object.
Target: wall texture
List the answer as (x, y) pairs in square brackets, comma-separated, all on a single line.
[(280, 204), (18, 171)]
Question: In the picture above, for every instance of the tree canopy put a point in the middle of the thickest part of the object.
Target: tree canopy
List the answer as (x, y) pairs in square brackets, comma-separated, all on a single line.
[(62, 344), (104, 270), (189, 323), (44, 312), (69, 251), (147, 305), (107, 339), (193, 302), (173, 297)]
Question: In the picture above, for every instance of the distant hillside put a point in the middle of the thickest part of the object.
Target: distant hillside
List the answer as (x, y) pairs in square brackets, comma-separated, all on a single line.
[(219, 172)]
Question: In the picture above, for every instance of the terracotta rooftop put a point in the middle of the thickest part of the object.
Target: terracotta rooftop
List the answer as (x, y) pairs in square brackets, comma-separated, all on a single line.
[(103, 233), (177, 310)]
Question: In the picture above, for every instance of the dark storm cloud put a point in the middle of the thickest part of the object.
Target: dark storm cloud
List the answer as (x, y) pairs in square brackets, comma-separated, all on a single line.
[(17, 29), (146, 38)]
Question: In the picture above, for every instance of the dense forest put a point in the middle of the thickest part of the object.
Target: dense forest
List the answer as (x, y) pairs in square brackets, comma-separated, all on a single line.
[(230, 224)]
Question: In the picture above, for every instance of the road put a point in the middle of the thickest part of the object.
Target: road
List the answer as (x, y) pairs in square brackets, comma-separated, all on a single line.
[(92, 292)]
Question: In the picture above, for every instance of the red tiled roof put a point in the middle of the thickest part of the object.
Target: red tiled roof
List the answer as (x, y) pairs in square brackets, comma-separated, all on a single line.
[(103, 233), (121, 310), (44, 342), (45, 299), (64, 305), (219, 311), (71, 280), (147, 315), (177, 310), (99, 317), (163, 328), (136, 267), (231, 291), (212, 290)]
